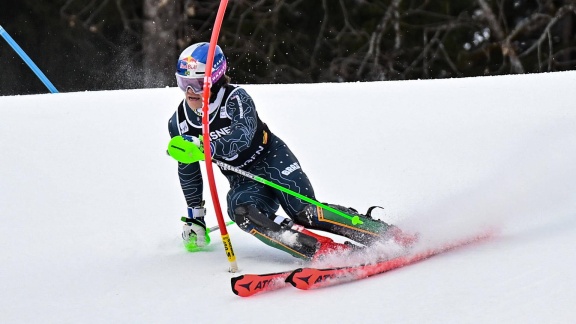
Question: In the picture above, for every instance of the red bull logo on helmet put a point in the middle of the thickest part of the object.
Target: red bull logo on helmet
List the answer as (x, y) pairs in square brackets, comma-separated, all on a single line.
[(188, 63)]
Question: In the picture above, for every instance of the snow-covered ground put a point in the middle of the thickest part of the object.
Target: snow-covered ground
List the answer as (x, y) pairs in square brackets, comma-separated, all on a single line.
[(90, 204)]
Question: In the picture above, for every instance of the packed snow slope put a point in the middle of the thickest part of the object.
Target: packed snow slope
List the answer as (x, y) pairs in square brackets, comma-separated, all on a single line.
[(90, 204)]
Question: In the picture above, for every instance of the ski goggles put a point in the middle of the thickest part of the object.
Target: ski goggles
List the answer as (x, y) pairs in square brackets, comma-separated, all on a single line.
[(196, 84)]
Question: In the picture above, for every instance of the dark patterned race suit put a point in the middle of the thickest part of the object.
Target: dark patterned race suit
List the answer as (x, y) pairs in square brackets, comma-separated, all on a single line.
[(238, 137)]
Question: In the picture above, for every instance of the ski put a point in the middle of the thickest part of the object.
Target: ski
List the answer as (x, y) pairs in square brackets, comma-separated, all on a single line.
[(251, 284), (311, 278)]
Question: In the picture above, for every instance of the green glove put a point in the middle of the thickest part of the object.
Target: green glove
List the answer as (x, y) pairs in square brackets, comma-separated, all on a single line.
[(186, 149)]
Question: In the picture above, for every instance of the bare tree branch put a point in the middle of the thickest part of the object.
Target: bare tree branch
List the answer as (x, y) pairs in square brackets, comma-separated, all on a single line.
[(551, 22), (374, 44), (507, 48)]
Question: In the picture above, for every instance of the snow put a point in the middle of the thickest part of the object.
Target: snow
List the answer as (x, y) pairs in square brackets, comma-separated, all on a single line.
[(90, 204)]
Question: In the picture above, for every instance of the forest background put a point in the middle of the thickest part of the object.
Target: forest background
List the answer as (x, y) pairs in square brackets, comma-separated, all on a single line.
[(120, 44)]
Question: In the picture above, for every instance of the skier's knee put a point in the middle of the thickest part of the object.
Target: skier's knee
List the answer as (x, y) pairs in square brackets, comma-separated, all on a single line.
[(248, 217)]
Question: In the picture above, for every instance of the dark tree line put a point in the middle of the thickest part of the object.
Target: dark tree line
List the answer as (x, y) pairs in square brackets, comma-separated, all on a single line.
[(111, 44)]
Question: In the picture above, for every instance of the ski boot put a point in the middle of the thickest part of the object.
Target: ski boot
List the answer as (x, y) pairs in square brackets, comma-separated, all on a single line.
[(368, 232)]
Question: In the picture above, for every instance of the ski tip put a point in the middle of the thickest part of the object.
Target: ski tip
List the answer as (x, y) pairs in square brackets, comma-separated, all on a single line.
[(251, 284), (233, 282)]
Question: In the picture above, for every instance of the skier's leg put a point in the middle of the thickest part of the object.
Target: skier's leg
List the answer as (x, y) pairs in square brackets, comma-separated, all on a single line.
[(282, 167), (252, 206), (286, 236), (369, 232)]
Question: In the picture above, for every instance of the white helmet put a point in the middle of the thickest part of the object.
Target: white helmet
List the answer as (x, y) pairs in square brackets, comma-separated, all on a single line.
[(191, 66)]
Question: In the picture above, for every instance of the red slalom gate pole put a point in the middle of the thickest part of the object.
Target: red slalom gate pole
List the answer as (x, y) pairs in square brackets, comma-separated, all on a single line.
[(206, 132)]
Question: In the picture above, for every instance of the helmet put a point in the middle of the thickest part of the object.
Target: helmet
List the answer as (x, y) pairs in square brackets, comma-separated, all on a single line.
[(192, 65)]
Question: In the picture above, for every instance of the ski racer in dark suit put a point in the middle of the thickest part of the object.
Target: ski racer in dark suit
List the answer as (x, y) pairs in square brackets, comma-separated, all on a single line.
[(240, 138)]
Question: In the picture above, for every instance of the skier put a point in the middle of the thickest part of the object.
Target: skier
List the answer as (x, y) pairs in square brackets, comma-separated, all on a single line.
[(240, 138)]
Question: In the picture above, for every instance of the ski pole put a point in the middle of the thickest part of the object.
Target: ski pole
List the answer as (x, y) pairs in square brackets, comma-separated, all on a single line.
[(355, 220), (214, 228), (187, 152)]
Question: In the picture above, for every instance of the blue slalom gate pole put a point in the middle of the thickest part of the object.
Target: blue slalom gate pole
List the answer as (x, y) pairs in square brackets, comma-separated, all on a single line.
[(27, 60)]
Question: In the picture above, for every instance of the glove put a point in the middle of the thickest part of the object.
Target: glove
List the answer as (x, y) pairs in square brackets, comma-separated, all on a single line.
[(194, 233), (196, 140), (186, 149)]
